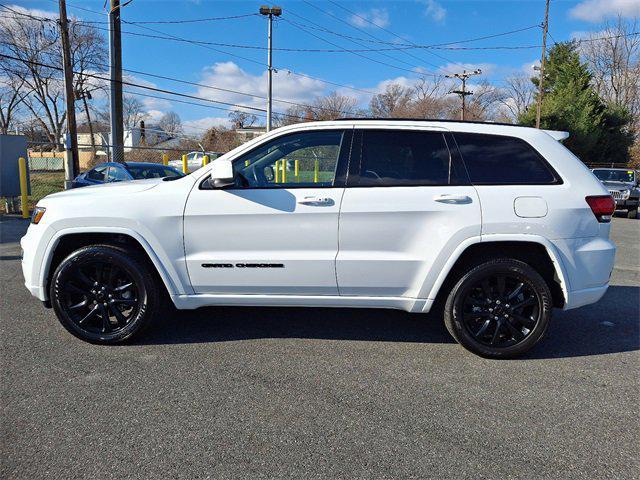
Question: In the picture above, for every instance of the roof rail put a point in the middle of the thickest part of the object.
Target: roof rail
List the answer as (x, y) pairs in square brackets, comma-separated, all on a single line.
[(406, 119)]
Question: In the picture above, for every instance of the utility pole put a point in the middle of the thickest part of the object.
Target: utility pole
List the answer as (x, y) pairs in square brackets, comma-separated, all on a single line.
[(270, 12), (71, 162), (464, 76), (115, 98), (545, 29)]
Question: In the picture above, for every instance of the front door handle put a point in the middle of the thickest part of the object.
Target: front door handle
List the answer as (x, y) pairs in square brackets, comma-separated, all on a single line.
[(452, 199), (317, 201)]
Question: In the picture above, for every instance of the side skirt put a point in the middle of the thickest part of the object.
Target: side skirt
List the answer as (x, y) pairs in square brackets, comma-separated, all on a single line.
[(190, 302)]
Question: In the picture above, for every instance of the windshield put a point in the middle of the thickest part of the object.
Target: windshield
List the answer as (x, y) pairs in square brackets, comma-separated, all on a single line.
[(615, 175), (152, 171)]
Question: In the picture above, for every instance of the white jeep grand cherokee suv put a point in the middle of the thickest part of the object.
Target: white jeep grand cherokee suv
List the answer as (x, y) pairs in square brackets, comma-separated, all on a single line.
[(494, 225)]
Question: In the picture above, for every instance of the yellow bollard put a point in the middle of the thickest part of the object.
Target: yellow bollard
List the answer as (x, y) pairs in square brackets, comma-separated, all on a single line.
[(185, 166), (165, 159), (284, 171), (277, 170), (296, 171), (205, 160), (316, 169), (22, 168), (246, 163)]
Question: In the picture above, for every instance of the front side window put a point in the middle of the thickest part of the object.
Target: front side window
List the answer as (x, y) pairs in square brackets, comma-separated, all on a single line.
[(403, 157), (500, 160), (303, 159)]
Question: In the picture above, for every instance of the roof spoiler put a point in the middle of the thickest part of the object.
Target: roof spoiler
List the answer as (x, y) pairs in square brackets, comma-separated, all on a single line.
[(557, 134)]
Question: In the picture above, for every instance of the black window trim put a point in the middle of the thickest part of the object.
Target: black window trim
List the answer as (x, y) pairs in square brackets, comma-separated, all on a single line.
[(455, 160), (341, 167), (557, 179)]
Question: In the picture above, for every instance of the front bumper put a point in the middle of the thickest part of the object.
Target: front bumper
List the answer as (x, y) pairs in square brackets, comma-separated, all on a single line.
[(629, 204)]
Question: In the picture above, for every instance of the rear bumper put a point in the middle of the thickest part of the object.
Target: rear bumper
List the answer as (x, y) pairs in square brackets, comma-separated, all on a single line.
[(588, 263), (587, 296)]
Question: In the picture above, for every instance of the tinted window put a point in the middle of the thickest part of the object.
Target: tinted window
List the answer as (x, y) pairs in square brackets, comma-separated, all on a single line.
[(299, 159), (97, 174), (151, 171), (403, 158), (117, 174), (498, 160), (615, 175)]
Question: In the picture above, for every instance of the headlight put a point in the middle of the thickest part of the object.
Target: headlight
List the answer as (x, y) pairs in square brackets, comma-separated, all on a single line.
[(37, 214), (625, 194)]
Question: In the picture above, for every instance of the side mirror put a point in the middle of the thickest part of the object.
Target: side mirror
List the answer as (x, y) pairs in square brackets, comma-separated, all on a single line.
[(222, 173)]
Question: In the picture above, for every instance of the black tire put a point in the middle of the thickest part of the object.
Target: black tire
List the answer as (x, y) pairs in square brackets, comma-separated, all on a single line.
[(632, 213), (104, 294), (481, 315)]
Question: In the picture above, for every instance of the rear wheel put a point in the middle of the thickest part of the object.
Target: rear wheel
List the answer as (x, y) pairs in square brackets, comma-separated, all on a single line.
[(499, 309), (104, 294)]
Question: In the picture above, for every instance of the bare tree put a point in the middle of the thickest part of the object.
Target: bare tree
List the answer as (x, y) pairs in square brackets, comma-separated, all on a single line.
[(334, 106), (89, 54), (241, 119), (171, 123), (9, 101), (393, 102), (35, 49), (518, 95), (428, 99), (613, 56)]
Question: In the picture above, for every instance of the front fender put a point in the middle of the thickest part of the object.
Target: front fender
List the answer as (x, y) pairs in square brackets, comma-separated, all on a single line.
[(161, 261)]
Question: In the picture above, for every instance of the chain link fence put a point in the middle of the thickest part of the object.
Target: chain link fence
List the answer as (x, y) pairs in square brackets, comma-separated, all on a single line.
[(45, 165)]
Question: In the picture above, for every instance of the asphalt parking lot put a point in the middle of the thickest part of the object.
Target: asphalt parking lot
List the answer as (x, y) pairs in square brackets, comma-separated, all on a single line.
[(293, 393)]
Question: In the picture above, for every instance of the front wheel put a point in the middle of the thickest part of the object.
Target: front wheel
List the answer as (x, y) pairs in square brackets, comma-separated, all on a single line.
[(632, 213), (104, 294), (499, 309)]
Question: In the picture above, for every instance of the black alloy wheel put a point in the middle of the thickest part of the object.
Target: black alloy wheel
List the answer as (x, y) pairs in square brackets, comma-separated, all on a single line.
[(499, 309), (104, 294)]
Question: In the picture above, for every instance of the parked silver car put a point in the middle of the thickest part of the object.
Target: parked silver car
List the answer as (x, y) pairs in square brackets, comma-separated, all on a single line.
[(624, 186)]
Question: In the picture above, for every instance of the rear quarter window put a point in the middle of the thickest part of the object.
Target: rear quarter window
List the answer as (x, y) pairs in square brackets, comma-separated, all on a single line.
[(501, 160)]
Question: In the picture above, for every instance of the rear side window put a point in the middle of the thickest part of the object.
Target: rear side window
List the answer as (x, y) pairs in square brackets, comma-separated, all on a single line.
[(499, 160), (401, 157)]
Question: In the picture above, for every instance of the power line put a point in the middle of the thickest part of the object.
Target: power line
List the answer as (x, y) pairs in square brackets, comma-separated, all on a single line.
[(383, 29), (146, 87), (350, 39), (195, 20)]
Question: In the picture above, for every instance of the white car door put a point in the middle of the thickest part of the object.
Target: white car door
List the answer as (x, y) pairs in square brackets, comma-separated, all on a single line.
[(276, 230), (408, 204)]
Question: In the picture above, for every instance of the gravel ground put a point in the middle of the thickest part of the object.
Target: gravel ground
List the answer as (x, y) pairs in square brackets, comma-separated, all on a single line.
[(319, 393)]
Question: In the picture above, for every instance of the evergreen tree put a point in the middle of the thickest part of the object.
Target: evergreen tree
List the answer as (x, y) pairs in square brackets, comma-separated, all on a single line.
[(599, 133)]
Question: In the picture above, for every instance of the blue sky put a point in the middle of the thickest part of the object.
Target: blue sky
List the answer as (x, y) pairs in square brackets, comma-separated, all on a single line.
[(424, 22)]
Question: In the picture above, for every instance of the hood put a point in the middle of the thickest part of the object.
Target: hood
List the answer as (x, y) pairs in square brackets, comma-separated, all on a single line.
[(617, 185), (106, 189)]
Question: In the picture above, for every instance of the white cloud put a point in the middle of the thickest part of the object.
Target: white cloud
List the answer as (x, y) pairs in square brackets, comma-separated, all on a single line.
[(598, 10), (229, 76), (377, 16), (435, 11), (200, 125), (487, 68)]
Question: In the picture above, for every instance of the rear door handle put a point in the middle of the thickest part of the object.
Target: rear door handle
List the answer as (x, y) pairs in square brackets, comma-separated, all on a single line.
[(317, 201), (453, 199)]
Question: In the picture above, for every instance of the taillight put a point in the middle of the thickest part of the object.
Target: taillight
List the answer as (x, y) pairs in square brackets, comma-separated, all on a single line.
[(602, 207)]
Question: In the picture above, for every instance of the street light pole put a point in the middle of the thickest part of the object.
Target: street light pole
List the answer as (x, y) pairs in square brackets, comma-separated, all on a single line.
[(270, 12)]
